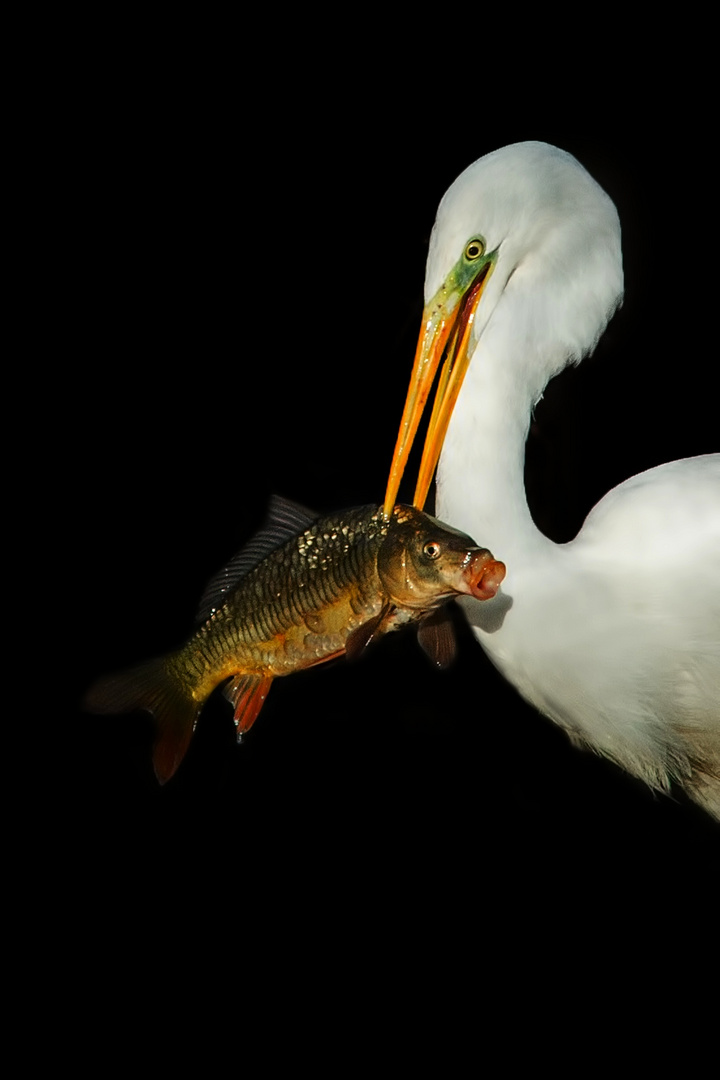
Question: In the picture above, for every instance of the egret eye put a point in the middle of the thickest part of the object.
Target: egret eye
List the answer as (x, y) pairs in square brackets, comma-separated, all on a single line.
[(474, 249), (432, 549)]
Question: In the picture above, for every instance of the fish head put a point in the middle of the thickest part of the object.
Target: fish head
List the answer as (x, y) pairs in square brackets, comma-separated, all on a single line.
[(423, 562)]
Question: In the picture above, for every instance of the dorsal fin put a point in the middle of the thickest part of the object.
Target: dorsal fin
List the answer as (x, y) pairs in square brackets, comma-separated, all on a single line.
[(284, 520)]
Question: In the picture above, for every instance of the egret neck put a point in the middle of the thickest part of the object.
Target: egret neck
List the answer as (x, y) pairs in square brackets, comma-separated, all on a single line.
[(481, 471)]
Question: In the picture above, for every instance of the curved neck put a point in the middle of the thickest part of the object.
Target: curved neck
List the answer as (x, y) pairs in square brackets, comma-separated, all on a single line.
[(481, 483)]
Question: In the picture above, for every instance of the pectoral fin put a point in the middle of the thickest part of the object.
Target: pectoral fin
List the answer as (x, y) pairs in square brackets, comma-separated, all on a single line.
[(247, 693), (436, 637)]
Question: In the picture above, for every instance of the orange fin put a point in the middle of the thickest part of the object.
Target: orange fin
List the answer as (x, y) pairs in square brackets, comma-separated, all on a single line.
[(359, 639), (151, 687), (247, 693), (436, 637)]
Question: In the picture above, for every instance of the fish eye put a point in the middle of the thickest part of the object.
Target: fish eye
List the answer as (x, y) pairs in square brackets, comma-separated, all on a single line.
[(474, 249), (431, 549)]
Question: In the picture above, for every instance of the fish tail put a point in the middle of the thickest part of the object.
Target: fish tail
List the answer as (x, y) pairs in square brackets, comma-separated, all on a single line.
[(152, 687)]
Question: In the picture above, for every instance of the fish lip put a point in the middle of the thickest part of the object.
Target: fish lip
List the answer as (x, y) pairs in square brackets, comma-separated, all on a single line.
[(483, 575)]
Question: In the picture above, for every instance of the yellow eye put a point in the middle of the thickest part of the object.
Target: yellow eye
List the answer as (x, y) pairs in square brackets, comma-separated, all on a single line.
[(474, 249), (431, 549)]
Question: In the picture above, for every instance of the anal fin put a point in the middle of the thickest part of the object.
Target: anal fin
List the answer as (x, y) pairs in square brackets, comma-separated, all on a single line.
[(247, 694)]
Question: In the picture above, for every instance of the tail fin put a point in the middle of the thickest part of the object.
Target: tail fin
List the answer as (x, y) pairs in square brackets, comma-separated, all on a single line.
[(151, 687)]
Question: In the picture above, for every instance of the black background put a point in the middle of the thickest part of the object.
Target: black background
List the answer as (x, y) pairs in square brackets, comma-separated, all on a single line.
[(235, 269)]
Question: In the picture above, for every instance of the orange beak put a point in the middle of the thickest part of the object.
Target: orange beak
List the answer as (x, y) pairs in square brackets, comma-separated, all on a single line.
[(446, 328)]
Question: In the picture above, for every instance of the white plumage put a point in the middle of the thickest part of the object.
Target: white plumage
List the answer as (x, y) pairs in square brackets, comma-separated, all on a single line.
[(616, 635)]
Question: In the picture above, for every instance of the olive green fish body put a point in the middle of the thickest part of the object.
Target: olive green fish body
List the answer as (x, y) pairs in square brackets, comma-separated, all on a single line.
[(295, 609), (303, 592)]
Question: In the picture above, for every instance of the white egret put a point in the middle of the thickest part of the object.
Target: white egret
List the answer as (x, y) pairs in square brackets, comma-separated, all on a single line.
[(616, 635)]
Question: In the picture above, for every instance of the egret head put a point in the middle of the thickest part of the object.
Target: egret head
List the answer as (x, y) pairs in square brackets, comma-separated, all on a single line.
[(525, 251)]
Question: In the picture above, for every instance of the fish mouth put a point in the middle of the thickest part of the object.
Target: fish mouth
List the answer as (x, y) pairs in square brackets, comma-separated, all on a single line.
[(483, 575), (445, 331)]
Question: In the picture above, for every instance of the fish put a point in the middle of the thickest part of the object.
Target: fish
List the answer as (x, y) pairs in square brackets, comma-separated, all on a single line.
[(305, 590)]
